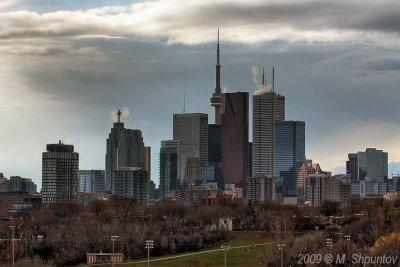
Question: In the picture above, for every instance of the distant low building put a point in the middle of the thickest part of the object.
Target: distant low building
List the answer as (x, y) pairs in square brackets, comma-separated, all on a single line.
[(338, 189), (315, 189), (260, 188), (193, 195), (220, 199), (12, 202), (92, 181)]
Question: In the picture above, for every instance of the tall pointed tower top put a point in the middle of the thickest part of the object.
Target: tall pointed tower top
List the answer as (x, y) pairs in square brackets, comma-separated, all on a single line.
[(215, 98), (218, 69)]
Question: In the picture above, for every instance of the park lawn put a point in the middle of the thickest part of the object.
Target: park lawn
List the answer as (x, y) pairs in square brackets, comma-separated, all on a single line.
[(246, 256)]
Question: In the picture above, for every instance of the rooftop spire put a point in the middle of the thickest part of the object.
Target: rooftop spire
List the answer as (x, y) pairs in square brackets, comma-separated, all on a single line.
[(218, 70), (215, 98), (119, 115), (273, 79)]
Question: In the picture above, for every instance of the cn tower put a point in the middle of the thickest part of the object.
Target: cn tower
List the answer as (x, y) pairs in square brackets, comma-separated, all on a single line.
[(215, 98)]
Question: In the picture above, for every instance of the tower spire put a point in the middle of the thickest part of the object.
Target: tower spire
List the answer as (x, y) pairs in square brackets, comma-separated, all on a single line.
[(215, 98), (119, 115), (273, 79), (218, 70), (184, 102)]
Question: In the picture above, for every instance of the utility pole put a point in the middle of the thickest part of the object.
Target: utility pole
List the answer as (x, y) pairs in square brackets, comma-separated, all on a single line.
[(12, 227), (149, 245), (225, 249), (281, 247)]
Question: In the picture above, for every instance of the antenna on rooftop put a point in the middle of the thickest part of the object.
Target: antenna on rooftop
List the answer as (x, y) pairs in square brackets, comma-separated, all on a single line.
[(184, 102)]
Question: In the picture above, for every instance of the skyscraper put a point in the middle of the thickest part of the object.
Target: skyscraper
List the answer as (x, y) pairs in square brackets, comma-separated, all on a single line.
[(315, 189), (215, 98), (235, 138), (60, 170), (147, 160), (191, 129), (268, 108), (170, 152), (132, 182), (373, 165), (125, 148), (214, 143), (91, 180), (306, 169), (289, 152), (352, 166)]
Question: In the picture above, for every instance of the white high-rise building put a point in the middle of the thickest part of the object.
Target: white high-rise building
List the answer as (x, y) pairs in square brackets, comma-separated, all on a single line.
[(268, 108)]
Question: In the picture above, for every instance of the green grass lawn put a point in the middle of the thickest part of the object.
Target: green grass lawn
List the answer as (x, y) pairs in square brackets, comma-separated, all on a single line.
[(251, 255)]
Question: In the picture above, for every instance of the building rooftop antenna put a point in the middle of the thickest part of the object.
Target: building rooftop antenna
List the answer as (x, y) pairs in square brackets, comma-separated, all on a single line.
[(184, 102), (119, 115), (273, 79)]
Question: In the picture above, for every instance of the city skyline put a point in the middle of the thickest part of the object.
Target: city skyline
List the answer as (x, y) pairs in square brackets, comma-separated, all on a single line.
[(340, 78)]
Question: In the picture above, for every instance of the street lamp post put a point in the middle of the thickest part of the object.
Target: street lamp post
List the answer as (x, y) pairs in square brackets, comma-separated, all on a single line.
[(12, 227), (281, 246), (149, 245), (329, 244), (225, 249), (113, 239), (347, 237)]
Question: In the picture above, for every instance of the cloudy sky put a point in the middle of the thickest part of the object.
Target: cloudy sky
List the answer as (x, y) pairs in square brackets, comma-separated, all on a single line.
[(66, 64)]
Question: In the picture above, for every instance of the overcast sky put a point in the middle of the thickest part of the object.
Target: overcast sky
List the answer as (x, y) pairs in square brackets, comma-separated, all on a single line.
[(66, 64)]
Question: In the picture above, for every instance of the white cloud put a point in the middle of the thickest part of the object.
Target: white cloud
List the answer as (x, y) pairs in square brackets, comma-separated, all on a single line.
[(194, 22)]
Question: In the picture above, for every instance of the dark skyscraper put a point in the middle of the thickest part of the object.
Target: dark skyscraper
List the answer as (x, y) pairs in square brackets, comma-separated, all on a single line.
[(268, 108), (60, 171), (147, 160), (352, 166), (215, 98), (125, 148), (289, 152), (235, 138), (214, 143), (132, 182), (169, 166)]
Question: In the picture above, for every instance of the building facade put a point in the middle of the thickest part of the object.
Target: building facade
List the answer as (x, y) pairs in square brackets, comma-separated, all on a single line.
[(60, 174), (306, 169), (338, 189), (92, 181), (170, 152), (125, 148), (289, 152), (235, 138), (268, 108), (352, 166), (132, 182), (24, 185), (191, 129), (214, 143), (373, 165), (315, 189), (260, 188), (147, 160)]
